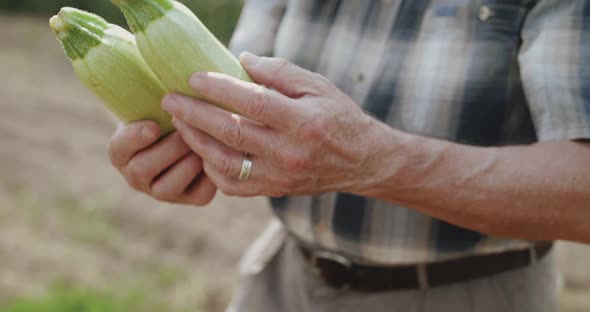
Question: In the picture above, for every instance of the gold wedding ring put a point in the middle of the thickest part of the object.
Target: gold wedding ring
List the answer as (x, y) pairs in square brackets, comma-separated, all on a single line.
[(246, 168)]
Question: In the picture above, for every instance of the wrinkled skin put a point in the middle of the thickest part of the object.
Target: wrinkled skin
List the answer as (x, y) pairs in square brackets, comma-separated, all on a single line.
[(303, 135)]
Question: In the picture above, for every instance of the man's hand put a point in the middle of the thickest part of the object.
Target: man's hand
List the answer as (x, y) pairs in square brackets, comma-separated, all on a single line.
[(304, 136), (165, 169)]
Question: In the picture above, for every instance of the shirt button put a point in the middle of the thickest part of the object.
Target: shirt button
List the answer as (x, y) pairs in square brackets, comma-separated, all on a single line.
[(485, 13)]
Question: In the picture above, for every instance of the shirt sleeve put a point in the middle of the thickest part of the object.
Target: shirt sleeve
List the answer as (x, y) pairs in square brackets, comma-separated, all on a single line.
[(257, 27), (555, 67)]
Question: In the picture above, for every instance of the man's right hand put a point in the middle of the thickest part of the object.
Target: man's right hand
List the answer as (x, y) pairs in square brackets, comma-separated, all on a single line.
[(165, 169)]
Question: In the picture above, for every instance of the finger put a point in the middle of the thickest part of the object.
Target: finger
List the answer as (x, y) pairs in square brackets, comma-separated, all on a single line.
[(201, 193), (231, 186), (130, 139), (235, 131), (282, 75), (227, 161), (247, 99), (174, 182), (152, 161)]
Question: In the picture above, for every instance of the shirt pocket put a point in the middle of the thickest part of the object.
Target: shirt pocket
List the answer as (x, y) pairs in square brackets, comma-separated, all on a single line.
[(496, 20), (500, 19)]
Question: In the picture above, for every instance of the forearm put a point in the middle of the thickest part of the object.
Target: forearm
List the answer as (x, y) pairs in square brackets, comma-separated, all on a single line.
[(539, 192)]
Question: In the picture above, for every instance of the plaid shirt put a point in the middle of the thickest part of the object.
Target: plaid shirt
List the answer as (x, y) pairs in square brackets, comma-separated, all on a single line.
[(477, 72)]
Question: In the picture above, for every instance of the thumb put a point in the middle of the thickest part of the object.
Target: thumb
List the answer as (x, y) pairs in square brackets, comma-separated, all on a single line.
[(280, 75)]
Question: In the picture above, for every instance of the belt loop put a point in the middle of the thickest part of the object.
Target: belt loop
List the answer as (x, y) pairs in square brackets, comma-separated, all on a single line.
[(533, 254), (422, 276)]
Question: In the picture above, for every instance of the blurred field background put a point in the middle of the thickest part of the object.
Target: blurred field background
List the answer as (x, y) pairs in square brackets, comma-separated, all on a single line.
[(73, 236), (219, 15)]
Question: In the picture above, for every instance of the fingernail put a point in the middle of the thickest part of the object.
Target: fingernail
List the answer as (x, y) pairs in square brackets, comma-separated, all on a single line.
[(197, 79), (168, 102), (249, 59), (147, 134)]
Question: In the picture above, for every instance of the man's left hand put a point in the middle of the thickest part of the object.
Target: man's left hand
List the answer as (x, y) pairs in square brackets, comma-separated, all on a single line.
[(302, 134)]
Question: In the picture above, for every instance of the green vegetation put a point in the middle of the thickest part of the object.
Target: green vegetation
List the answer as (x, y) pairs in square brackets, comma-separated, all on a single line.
[(67, 299), (219, 15), (149, 285), (62, 300)]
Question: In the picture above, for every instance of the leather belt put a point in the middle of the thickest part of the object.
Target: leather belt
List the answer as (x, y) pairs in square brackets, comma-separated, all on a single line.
[(341, 273)]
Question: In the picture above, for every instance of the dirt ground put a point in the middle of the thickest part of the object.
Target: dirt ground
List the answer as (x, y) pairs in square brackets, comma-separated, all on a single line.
[(66, 215)]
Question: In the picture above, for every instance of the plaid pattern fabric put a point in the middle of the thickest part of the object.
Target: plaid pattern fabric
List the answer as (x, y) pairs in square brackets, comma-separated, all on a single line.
[(484, 73)]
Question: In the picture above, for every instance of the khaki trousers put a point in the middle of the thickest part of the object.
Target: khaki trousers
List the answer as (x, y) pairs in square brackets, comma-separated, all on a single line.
[(275, 278)]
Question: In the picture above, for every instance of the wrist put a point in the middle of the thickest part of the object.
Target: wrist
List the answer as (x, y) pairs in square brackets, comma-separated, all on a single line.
[(386, 158), (400, 165)]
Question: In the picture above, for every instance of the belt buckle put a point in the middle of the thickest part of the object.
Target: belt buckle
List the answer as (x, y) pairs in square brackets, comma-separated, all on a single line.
[(333, 269)]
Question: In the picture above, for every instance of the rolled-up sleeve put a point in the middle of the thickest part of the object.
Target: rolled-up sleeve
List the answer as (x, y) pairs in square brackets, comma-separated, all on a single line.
[(555, 67), (257, 27)]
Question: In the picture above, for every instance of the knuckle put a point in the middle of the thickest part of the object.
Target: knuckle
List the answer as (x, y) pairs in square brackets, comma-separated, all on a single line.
[(279, 155), (281, 65), (115, 152), (317, 84), (257, 104), (315, 131), (223, 166), (133, 171), (191, 117), (295, 163), (134, 183), (138, 174), (231, 134), (321, 80), (164, 193)]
